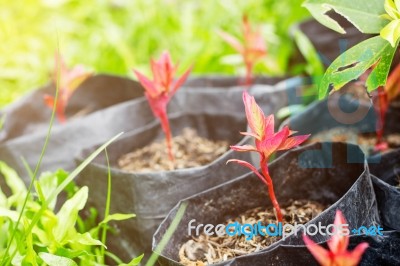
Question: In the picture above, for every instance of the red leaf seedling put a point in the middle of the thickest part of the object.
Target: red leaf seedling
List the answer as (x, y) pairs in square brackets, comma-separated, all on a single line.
[(69, 81), (267, 142), (382, 98), (252, 49), (337, 255), (160, 90)]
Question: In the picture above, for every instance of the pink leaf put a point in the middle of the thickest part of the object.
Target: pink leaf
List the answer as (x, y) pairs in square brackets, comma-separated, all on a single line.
[(250, 166), (181, 80), (147, 84), (271, 144), (354, 256), (255, 116), (244, 148), (269, 125), (235, 43), (293, 142), (249, 134), (319, 253), (338, 243)]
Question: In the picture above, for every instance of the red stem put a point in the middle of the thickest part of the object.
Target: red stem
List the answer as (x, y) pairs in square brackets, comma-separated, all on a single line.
[(165, 126), (60, 111), (271, 192), (249, 74), (381, 106), (392, 81)]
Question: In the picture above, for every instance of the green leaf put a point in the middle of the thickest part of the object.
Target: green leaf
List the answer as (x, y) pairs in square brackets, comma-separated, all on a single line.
[(314, 64), (391, 10), (7, 213), (117, 217), (54, 260), (85, 239), (133, 262), (31, 256), (68, 214), (355, 61), (47, 183), (380, 73), (70, 253), (14, 182), (364, 15), (391, 32)]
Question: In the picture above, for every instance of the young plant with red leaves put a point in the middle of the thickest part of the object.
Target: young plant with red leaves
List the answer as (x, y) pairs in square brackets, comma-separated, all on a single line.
[(160, 90), (69, 81), (267, 142), (337, 255), (381, 100), (252, 49)]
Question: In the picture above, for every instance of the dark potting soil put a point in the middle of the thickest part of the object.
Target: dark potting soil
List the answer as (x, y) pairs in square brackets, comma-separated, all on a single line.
[(365, 140), (205, 250), (190, 150), (357, 90)]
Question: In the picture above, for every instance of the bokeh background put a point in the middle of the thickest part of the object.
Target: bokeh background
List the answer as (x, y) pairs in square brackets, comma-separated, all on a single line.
[(114, 36)]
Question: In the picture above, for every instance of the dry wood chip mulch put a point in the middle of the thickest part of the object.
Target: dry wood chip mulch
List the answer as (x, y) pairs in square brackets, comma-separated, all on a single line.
[(206, 250), (189, 149)]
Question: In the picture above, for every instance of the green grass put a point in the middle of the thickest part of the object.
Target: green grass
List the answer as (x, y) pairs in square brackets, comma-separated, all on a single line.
[(116, 36)]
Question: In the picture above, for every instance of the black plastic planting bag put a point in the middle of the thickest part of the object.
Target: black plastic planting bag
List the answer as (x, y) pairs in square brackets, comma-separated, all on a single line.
[(335, 111), (68, 139), (29, 114), (386, 167), (228, 81), (152, 195), (335, 174), (382, 250)]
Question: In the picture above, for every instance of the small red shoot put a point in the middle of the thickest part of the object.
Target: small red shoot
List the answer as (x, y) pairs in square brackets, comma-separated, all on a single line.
[(381, 100), (252, 49), (337, 255), (70, 79), (161, 89), (267, 142)]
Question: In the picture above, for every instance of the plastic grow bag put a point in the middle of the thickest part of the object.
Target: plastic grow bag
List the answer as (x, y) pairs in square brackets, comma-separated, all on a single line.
[(343, 111), (387, 186), (216, 81), (29, 114), (95, 128), (330, 173), (151, 195), (382, 250)]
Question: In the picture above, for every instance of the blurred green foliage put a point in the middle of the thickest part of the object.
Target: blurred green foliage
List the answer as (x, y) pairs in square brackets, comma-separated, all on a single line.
[(114, 36)]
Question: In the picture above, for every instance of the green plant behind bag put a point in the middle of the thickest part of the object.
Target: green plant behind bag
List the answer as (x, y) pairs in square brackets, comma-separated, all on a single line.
[(54, 239), (374, 54)]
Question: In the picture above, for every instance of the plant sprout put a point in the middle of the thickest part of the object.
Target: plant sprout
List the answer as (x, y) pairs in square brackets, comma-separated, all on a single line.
[(161, 89), (267, 142), (337, 255), (252, 49), (69, 81), (382, 99)]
